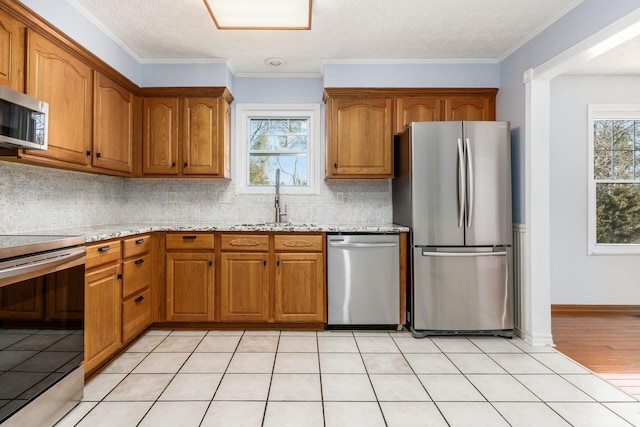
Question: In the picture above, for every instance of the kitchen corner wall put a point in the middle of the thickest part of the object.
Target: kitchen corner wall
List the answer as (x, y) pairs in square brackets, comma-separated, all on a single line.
[(35, 198)]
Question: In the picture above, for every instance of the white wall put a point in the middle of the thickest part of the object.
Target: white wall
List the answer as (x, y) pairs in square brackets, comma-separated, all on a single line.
[(577, 278)]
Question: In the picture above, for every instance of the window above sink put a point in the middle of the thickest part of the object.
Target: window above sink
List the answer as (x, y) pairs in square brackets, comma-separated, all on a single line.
[(278, 136)]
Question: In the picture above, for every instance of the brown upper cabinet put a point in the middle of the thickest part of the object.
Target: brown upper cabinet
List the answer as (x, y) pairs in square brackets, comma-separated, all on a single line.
[(359, 137), (113, 117), (417, 109), (12, 33), (160, 136), (66, 83), (187, 136), (361, 122), (470, 108)]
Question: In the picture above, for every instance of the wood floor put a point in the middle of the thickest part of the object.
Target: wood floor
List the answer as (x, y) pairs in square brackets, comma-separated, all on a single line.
[(605, 341)]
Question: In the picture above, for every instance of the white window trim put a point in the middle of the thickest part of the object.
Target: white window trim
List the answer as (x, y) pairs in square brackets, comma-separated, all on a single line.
[(599, 112), (244, 112)]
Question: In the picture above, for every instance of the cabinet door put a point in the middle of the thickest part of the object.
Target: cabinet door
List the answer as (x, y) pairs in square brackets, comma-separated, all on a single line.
[(112, 126), (200, 144), (11, 52), (64, 299), (103, 319), (160, 136), (22, 301), (360, 138), (479, 108), (190, 287), (418, 109), (299, 287), (244, 287), (66, 83)]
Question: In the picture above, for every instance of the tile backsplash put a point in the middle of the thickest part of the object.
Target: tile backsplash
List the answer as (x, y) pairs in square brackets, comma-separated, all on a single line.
[(34, 198), (203, 200)]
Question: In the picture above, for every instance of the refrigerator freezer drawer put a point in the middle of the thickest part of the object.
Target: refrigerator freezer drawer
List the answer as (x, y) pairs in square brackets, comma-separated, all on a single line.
[(463, 290)]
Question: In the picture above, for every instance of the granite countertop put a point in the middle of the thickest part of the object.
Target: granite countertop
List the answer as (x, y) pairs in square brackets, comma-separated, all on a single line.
[(106, 232)]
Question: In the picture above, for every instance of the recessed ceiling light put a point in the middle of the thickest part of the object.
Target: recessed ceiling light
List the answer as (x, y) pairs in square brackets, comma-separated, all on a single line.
[(260, 14), (275, 62)]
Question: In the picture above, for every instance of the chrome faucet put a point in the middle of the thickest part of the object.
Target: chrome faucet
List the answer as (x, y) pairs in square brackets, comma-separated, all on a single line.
[(280, 216)]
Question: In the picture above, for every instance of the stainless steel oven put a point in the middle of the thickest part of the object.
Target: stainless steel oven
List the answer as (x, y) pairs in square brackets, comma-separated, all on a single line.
[(41, 328)]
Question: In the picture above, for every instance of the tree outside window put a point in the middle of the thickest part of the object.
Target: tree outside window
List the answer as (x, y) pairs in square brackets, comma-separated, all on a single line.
[(616, 177), (278, 136)]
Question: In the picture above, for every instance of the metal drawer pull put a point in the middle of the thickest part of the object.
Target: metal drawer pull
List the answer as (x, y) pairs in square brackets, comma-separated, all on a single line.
[(139, 261), (139, 241), (189, 237), (104, 248), (137, 300)]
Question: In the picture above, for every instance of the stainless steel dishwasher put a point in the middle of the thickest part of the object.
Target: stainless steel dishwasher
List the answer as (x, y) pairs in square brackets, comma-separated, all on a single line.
[(363, 279)]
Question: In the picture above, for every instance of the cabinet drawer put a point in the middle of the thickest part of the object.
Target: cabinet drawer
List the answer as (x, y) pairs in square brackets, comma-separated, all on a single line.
[(136, 246), (245, 242), (102, 253), (136, 274), (136, 314), (298, 243), (189, 241)]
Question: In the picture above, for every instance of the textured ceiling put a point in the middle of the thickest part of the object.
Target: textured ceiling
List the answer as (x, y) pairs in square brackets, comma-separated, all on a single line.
[(346, 30)]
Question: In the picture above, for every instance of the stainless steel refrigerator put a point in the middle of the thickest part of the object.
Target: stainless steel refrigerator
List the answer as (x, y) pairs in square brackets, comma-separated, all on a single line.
[(452, 187)]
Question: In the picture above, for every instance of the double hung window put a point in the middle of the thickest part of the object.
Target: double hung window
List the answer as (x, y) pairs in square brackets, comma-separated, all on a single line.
[(614, 181)]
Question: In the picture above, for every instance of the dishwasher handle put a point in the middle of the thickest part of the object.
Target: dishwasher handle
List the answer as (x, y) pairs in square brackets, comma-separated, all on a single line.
[(363, 245)]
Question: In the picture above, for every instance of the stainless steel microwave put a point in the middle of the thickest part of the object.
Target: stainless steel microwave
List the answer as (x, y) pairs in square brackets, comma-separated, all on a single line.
[(24, 120)]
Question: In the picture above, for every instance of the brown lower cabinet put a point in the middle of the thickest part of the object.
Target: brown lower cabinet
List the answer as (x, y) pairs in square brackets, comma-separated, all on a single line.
[(103, 319), (244, 287), (189, 287), (299, 287), (189, 277)]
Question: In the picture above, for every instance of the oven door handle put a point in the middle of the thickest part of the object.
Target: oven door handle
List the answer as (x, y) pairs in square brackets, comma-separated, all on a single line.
[(38, 265)]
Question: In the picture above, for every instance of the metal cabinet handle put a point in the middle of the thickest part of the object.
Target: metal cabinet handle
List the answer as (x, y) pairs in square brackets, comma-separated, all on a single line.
[(88, 153), (189, 237), (186, 164), (139, 241), (104, 248), (139, 261), (137, 300), (98, 155)]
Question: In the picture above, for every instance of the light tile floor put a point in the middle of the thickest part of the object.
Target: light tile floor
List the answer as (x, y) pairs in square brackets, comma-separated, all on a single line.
[(334, 378)]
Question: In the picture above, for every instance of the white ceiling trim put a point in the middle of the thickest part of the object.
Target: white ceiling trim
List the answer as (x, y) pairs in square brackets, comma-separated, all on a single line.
[(279, 75), (409, 61), (186, 61), (105, 30)]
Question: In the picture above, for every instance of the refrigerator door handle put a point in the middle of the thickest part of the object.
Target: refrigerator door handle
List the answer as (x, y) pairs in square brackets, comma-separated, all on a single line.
[(462, 254), (471, 189), (462, 184)]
